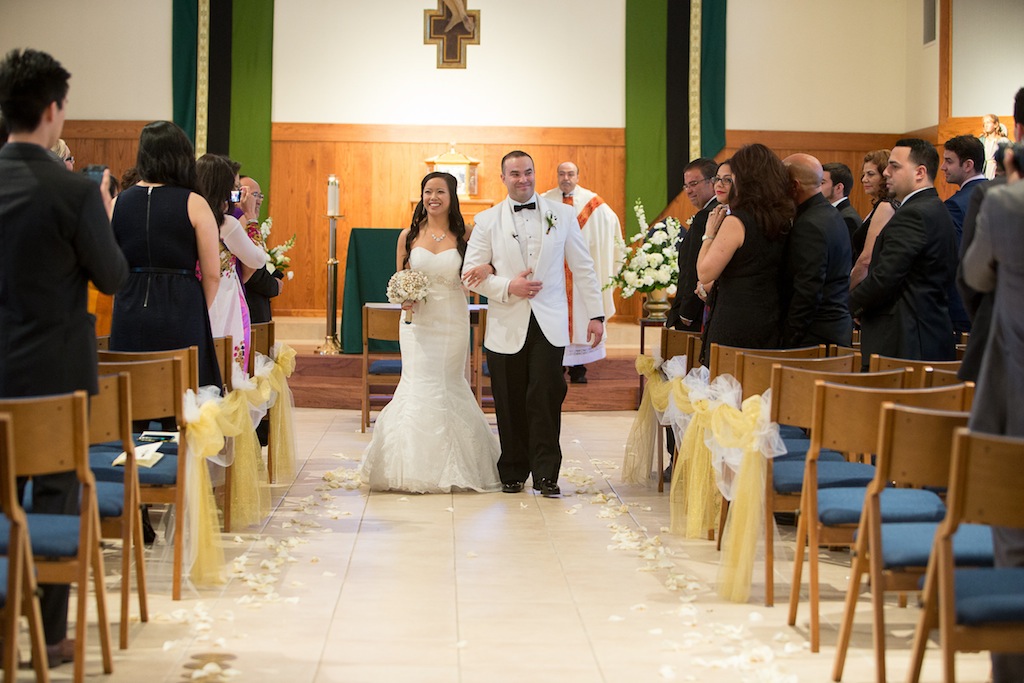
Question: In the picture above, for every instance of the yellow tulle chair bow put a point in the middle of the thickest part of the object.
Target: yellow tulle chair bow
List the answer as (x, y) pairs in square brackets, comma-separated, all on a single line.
[(203, 554)]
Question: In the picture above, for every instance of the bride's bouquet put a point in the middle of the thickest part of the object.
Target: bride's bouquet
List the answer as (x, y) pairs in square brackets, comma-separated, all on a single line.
[(407, 285)]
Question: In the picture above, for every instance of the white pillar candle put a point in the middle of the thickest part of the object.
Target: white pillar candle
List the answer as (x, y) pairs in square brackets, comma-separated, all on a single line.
[(332, 195)]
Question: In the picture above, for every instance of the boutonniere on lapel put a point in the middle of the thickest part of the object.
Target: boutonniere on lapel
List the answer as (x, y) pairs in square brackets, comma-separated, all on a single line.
[(552, 221)]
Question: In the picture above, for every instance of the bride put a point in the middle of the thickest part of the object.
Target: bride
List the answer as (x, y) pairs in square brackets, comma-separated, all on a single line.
[(432, 437)]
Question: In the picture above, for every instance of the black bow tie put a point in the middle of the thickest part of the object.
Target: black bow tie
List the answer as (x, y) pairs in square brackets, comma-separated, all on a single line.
[(520, 207)]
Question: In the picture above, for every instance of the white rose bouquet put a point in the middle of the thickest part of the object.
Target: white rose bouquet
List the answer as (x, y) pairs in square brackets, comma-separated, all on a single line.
[(407, 285), (652, 258)]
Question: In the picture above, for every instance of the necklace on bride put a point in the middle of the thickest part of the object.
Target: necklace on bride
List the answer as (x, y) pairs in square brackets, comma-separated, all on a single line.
[(434, 237)]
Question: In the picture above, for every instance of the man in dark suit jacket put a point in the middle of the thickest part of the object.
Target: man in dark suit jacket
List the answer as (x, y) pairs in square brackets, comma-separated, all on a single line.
[(57, 238), (963, 158), (902, 302), (687, 310), (818, 255), (263, 285), (836, 183)]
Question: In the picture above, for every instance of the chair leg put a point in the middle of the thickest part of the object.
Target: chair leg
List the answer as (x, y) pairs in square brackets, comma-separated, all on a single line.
[(798, 563), (100, 589), (722, 517), (769, 548), (227, 498), (179, 553), (271, 476), (815, 586), (127, 530), (138, 547), (928, 620), (30, 608), (846, 626)]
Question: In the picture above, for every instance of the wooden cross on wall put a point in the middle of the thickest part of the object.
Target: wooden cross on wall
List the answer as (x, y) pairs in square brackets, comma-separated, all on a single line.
[(451, 27)]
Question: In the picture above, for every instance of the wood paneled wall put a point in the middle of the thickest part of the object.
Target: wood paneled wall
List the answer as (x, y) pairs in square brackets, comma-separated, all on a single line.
[(379, 169)]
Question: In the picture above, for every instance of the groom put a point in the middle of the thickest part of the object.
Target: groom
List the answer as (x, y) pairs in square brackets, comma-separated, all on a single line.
[(529, 241)]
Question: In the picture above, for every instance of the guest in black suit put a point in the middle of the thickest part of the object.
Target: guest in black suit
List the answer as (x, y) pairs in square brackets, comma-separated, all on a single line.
[(963, 158), (687, 312), (902, 302), (836, 183), (263, 285), (57, 239), (816, 297)]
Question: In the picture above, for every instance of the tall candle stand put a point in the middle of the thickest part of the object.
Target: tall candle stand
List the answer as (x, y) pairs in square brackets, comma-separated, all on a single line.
[(332, 345)]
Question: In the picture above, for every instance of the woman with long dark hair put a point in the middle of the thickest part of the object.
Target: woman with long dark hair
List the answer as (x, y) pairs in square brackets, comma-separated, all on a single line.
[(169, 236), (742, 253), (432, 437), (882, 209)]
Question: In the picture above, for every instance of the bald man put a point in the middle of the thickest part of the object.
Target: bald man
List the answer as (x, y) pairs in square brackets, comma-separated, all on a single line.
[(599, 225), (818, 257)]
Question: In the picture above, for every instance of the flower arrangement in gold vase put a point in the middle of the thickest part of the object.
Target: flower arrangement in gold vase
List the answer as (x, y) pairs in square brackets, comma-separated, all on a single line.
[(652, 257)]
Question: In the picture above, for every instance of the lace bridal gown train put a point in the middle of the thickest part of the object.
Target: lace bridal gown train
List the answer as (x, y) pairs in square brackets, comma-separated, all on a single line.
[(432, 437)]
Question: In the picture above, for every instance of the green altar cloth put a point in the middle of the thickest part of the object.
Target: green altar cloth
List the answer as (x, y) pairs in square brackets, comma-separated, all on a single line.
[(368, 267)]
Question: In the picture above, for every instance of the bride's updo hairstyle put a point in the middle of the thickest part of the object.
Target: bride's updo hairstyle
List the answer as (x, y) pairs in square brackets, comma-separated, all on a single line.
[(455, 221)]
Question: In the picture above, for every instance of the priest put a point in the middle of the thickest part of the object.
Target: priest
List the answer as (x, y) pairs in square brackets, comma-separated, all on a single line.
[(600, 228)]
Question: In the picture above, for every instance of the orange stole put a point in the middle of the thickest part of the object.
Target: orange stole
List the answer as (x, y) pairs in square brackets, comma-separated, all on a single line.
[(583, 217)]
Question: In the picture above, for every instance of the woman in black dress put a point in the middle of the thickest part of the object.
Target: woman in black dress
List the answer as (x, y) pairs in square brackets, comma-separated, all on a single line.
[(882, 209), (169, 236), (742, 253)]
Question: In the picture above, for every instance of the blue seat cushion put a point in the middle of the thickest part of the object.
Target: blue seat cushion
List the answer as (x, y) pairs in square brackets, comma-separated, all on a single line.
[(843, 505), (386, 367), (485, 370), (3, 581), (797, 447), (909, 544), (986, 596), (791, 432), (788, 476), (52, 535), (164, 473), (110, 497)]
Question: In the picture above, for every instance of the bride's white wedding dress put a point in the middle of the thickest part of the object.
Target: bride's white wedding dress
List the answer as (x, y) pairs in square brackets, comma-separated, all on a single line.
[(432, 437)]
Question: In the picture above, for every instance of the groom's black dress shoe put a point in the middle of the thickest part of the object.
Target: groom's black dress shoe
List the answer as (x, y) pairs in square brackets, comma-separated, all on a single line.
[(548, 488), (512, 487)]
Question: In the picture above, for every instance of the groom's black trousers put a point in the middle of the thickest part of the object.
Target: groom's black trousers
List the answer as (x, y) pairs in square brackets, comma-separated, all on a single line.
[(528, 389)]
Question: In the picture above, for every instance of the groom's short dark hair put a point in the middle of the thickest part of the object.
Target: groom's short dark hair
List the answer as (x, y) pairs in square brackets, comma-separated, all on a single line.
[(514, 154)]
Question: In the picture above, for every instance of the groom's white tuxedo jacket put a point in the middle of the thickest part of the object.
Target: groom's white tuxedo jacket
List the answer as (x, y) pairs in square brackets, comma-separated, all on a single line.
[(493, 241)]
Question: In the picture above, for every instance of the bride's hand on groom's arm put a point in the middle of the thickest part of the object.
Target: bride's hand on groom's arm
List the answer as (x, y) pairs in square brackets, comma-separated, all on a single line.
[(474, 276)]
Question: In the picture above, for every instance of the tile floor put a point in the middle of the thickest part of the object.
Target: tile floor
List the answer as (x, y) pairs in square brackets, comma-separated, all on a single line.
[(343, 585)]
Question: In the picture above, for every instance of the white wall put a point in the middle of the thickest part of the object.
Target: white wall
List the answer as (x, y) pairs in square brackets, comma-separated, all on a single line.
[(347, 62), (921, 79), (118, 52), (816, 65), (988, 64)]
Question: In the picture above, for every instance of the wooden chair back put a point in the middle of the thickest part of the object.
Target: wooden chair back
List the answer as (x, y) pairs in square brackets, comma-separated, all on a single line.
[(932, 377), (677, 343), (110, 420), (722, 359), (103, 343), (878, 363), (261, 340), (160, 390), (754, 371), (20, 596), (481, 381), (51, 437), (793, 389), (380, 322), (223, 348), (189, 358)]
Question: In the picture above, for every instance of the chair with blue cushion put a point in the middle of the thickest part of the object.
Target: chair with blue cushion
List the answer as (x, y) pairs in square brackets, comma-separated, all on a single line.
[(158, 391), (846, 419), (975, 609), (17, 570), (914, 450), (110, 425), (381, 374), (792, 404), (51, 437)]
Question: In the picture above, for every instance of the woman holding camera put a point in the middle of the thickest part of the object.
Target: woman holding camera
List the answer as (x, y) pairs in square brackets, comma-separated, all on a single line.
[(229, 314)]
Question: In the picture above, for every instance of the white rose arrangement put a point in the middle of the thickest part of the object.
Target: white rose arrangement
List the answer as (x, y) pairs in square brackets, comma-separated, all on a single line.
[(651, 260)]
